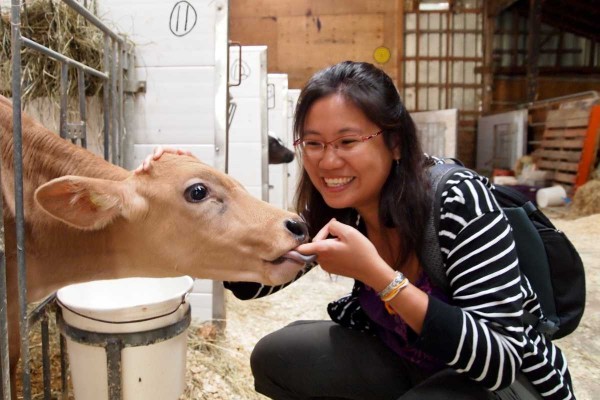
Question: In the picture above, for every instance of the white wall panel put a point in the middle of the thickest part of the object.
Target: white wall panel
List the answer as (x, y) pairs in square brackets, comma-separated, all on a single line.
[(177, 107), (277, 105), (294, 169), (246, 163), (166, 33), (246, 122), (248, 140)]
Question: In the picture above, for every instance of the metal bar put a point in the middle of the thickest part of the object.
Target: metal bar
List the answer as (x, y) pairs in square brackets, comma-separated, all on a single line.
[(121, 118), (106, 98), (16, 45), (5, 361), (59, 57), (131, 339), (4, 351), (64, 88), (113, 365), (82, 106), (37, 314), (92, 19), (113, 105), (46, 359), (63, 364)]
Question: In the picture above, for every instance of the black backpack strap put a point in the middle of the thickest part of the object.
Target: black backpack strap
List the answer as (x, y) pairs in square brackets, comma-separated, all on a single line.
[(542, 325), (431, 256)]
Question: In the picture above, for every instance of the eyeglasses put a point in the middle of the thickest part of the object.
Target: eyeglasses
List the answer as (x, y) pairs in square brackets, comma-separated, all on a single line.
[(344, 145)]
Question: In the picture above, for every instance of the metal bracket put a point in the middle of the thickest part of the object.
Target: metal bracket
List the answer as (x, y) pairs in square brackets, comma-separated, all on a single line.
[(75, 130), (135, 87)]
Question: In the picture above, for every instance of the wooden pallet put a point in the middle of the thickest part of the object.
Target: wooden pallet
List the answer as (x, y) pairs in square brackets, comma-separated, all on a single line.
[(569, 146)]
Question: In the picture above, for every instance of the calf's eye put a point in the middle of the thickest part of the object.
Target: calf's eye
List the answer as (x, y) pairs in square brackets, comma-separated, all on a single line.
[(196, 193)]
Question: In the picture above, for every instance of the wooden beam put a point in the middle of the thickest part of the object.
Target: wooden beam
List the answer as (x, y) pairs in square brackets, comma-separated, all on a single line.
[(495, 7), (533, 48), (400, 45)]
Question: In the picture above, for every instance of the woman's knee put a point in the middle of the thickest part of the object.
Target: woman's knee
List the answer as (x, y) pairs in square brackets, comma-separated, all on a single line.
[(266, 356)]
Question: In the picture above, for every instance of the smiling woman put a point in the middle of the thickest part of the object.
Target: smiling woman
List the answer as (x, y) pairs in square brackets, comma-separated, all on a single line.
[(365, 194)]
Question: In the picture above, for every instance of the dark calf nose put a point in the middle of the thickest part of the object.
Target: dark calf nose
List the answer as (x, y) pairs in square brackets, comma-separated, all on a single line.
[(288, 158), (298, 228)]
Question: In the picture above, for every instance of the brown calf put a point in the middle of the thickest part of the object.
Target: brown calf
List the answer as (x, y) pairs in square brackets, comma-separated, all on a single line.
[(86, 219)]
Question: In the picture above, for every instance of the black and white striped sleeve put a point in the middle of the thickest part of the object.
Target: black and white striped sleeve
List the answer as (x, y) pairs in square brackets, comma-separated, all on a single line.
[(253, 290), (480, 332)]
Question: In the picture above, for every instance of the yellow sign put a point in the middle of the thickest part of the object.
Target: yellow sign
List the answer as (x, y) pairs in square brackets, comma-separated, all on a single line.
[(382, 54)]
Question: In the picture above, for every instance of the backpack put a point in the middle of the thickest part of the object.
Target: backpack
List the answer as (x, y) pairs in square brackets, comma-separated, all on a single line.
[(546, 256)]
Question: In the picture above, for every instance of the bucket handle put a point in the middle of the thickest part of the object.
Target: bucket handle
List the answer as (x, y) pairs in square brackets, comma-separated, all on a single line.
[(183, 300)]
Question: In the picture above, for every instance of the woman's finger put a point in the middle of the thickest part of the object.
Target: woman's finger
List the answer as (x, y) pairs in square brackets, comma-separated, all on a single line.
[(316, 247), (158, 152), (323, 233)]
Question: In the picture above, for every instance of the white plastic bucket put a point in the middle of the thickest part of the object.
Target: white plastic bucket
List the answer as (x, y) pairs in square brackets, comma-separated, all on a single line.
[(551, 196), (130, 305)]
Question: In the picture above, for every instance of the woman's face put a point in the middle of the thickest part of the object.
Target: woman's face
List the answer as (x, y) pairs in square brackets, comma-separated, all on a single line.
[(346, 178)]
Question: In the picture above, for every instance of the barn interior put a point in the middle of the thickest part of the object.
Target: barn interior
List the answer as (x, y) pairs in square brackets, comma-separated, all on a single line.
[(511, 88), (478, 57)]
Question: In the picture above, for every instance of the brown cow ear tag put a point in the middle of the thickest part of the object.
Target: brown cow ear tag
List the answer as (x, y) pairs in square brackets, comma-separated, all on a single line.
[(83, 203)]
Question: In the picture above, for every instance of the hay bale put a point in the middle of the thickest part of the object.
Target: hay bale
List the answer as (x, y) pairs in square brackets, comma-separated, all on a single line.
[(586, 200), (55, 25)]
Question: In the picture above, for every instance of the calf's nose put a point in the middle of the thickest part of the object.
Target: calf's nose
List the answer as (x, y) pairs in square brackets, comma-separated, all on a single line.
[(298, 228)]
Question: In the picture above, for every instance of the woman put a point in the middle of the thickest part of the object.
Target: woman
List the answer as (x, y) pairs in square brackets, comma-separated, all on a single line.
[(364, 192)]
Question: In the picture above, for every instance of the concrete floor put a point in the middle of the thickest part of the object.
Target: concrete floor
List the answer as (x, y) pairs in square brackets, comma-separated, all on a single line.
[(582, 347)]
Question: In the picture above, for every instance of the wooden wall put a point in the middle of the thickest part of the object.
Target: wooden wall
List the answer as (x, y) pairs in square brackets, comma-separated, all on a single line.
[(509, 93), (305, 36)]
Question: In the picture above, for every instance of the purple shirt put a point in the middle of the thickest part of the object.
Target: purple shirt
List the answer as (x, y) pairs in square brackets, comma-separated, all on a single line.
[(392, 329)]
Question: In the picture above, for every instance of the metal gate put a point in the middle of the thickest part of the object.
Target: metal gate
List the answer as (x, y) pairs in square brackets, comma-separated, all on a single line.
[(118, 70)]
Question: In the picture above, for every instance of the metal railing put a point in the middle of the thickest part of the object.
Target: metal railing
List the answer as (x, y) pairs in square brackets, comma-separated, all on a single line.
[(118, 56)]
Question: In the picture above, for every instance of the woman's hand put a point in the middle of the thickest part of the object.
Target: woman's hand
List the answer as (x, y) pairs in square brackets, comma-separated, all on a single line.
[(156, 154), (348, 253)]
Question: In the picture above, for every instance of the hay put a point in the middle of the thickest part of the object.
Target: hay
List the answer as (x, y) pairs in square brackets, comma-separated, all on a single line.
[(586, 200), (52, 24)]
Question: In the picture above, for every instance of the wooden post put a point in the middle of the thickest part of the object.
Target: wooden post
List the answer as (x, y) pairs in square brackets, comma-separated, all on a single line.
[(400, 45), (489, 26), (533, 48)]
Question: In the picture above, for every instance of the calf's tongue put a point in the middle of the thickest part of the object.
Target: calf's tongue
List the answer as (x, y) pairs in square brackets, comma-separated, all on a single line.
[(299, 257)]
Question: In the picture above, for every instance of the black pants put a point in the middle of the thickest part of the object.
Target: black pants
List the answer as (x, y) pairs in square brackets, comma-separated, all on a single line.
[(322, 360)]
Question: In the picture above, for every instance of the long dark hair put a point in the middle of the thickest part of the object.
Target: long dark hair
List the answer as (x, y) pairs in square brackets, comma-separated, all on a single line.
[(404, 202)]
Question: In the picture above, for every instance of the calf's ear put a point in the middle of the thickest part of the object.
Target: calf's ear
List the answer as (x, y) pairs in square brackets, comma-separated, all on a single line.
[(89, 203)]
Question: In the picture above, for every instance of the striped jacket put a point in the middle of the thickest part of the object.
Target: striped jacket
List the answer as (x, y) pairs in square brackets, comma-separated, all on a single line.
[(480, 331)]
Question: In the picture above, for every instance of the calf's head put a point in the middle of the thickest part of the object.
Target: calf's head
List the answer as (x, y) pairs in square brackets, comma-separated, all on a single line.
[(183, 216), (278, 153)]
